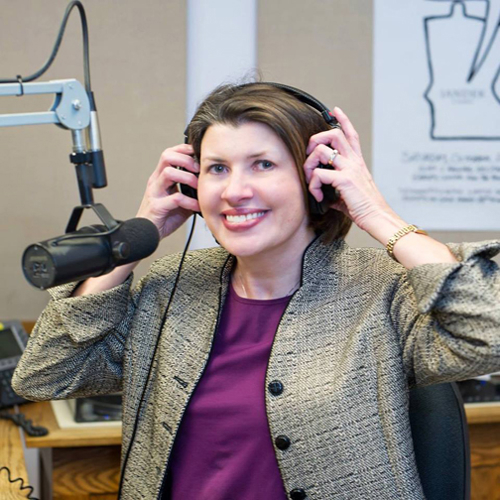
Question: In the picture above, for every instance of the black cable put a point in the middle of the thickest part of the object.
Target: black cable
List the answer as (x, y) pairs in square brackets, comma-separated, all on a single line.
[(22, 486), (78, 235), (20, 420), (50, 60), (134, 431)]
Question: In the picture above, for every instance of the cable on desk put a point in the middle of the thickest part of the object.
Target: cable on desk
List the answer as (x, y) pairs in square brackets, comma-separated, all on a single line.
[(20, 420), (22, 486)]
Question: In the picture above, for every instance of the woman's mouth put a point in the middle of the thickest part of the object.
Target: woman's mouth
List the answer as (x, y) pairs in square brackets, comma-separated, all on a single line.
[(243, 218), (243, 221)]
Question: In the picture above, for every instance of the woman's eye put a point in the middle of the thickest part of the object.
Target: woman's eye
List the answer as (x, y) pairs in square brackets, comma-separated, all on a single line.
[(265, 164), (217, 169)]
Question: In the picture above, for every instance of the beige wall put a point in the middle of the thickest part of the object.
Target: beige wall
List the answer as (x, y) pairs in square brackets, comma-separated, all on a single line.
[(137, 56), (325, 48)]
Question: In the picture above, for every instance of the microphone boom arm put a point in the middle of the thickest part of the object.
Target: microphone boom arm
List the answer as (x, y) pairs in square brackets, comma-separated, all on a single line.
[(73, 109), (70, 110)]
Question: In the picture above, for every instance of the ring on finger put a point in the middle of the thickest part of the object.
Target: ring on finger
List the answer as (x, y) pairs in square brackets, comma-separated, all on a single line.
[(332, 157)]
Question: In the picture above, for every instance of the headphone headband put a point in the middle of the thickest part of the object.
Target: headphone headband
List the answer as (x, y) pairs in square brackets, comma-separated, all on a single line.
[(298, 94), (306, 99)]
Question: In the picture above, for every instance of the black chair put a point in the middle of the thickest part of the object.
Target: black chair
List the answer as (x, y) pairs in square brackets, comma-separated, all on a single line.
[(441, 441)]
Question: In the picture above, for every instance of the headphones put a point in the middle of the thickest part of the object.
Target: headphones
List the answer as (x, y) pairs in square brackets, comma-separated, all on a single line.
[(330, 194)]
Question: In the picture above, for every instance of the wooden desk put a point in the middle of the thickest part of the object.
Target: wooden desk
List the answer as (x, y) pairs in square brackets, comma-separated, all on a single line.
[(84, 463), (12, 456), (482, 413), (484, 433), (42, 414), (81, 463)]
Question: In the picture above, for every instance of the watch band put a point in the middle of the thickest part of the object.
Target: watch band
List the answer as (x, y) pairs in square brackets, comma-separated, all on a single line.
[(399, 234)]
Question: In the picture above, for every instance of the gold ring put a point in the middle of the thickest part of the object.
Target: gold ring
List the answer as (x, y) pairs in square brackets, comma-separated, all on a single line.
[(332, 157)]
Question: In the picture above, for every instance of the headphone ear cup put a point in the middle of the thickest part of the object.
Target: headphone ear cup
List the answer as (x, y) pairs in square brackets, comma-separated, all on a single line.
[(188, 190), (330, 195), (316, 208)]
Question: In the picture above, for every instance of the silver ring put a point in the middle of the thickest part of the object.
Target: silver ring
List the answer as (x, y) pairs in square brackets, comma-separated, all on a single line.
[(332, 157)]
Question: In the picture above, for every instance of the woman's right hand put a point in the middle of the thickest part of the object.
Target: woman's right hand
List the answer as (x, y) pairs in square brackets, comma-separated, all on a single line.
[(163, 203)]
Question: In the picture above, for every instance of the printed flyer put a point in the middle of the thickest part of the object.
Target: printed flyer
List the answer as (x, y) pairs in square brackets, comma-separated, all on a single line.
[(436, 114)]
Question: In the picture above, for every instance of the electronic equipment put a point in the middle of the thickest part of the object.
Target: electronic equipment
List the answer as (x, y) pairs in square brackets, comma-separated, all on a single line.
[(481, 390), (97, 408), (13, 340)]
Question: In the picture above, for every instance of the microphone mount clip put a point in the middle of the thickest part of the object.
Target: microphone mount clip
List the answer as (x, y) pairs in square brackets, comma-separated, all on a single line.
[(100, 210)]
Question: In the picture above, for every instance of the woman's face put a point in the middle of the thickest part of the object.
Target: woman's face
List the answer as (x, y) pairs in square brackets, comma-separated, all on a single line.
[(250, 192)]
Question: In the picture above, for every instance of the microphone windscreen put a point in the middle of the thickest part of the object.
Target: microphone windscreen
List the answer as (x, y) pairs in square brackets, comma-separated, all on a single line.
[(142, 238)]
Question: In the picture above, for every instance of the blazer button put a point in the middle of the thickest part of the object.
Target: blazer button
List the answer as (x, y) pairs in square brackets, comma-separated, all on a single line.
[(282, 442), (298, 494), (275, 387)]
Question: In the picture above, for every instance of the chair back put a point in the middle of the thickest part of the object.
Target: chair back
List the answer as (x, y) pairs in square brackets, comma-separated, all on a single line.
[(441, 441)]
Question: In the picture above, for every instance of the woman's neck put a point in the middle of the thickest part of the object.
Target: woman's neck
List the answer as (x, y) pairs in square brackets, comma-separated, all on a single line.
[(273, 275)]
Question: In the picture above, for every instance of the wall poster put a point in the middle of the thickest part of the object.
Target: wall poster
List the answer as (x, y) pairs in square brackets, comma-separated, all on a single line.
[(436, 121)]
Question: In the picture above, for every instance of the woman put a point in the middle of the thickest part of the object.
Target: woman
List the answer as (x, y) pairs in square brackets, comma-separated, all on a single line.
[(301, 350)]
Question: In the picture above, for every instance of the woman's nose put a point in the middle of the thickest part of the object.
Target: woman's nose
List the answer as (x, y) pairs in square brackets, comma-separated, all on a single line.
[(237, 188)]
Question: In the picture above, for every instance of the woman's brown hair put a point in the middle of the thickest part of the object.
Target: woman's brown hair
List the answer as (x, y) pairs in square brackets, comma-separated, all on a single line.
[(291, 120)]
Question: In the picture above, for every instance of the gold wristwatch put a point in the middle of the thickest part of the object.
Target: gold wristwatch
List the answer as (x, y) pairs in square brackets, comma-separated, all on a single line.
[(399, 234)]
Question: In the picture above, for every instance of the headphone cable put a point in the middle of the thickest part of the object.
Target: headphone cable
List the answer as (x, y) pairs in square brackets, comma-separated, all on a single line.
[(164, 318), (50, 60)]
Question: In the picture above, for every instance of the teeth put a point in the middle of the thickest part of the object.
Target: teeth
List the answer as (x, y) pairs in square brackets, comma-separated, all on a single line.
[(243, 218)]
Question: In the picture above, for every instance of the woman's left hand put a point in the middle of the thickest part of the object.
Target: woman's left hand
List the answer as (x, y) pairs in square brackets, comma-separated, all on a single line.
[(360, 198)]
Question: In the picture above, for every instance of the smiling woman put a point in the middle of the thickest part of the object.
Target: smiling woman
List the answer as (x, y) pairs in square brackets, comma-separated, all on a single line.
[(278, 365), (253, 200)]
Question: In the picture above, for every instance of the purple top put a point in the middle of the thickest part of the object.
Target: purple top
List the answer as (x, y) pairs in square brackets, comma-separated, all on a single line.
[(224, 449)]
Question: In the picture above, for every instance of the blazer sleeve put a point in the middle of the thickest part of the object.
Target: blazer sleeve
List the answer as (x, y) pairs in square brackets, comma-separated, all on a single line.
[(77, 345), (448, 316)]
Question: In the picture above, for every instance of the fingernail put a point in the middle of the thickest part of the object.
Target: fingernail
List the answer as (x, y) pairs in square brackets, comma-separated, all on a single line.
[(338, 109)]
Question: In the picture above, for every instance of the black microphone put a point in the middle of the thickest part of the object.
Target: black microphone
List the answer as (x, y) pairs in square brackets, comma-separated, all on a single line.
[(90, 251)]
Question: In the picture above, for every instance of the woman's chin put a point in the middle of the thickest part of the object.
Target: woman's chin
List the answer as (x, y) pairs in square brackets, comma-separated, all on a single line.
[(240, 248)]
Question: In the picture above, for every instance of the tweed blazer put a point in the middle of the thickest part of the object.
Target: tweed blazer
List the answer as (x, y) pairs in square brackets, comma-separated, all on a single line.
[(359, 331)]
